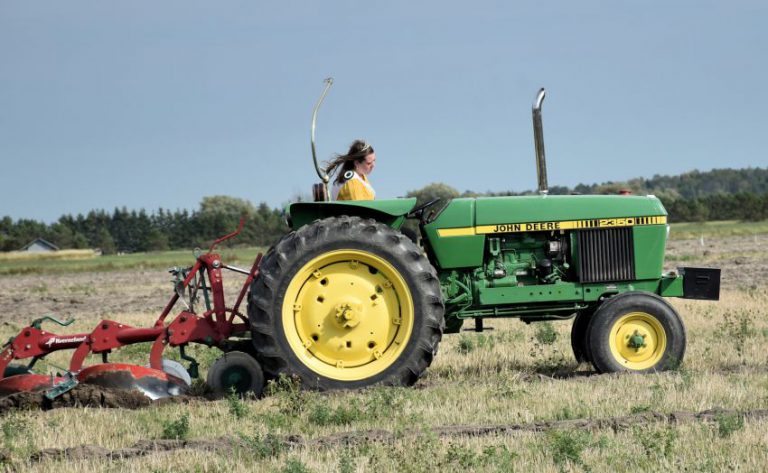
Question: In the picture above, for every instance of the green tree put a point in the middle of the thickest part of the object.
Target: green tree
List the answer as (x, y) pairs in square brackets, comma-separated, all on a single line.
[(220, 214), (433, 191), (24, 231), (61, 235), (156, 240), (104, 241), (226, 205)]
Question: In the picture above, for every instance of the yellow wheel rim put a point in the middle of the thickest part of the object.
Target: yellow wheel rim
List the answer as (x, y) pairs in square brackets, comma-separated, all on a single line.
[(348, 314), (638, 341)]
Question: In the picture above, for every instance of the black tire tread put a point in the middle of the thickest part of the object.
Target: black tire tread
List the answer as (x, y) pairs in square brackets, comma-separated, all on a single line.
[(296, 248)]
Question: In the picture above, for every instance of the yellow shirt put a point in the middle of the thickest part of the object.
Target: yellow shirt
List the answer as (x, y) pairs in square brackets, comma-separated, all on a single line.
[(355, 187)]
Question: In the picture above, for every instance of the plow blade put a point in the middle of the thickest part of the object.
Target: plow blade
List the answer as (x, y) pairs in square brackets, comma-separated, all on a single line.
[(154, 384), (27, 383)]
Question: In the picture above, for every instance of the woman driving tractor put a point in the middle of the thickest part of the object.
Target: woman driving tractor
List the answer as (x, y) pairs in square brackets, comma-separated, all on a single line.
[(352, 170)]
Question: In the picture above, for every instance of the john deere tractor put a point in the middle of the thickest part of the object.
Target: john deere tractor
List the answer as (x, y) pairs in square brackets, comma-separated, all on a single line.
[(346, 300)]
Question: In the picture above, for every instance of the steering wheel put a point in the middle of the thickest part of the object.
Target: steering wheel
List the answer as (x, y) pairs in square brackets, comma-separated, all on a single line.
[(419, 211)]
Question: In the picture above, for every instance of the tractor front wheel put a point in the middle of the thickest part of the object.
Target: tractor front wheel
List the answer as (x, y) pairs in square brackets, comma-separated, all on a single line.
[(346, 303), (579, 342), (636, 332)]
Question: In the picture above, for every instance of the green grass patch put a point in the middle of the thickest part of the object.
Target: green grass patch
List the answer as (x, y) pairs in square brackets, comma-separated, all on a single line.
[(177, 429), (153, 260), (724, 228)]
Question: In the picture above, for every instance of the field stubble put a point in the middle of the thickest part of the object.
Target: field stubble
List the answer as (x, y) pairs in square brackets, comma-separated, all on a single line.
[(513, 375)]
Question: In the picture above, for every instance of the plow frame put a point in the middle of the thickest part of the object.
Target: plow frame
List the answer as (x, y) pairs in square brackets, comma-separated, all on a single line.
[(213, 327)]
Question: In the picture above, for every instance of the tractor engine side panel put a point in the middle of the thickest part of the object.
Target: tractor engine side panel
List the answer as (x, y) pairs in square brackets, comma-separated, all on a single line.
[(650, 245), (546, 257)]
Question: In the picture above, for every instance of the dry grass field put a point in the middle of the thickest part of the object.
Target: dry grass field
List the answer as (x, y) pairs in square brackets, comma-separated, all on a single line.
[(509, 399)]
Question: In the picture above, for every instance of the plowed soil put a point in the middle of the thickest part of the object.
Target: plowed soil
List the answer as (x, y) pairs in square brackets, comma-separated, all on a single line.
[(743, 260), (83, 395), (91, 296)]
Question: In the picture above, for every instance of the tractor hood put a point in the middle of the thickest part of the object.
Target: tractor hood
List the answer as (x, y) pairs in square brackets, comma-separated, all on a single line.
[(458, 233), (554, 208), (391, 212), (495, 211)]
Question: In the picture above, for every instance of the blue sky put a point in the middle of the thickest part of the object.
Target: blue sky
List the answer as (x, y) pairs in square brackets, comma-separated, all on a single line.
[(157, 104)]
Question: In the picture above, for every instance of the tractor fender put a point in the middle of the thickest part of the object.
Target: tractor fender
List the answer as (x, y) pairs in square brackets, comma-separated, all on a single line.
[(391, 212)]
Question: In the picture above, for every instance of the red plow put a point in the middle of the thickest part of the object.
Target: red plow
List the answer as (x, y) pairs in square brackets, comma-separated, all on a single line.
[(216, 326)]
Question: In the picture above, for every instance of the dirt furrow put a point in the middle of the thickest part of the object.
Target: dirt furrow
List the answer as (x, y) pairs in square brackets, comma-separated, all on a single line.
[(84, 395), (229, 444)]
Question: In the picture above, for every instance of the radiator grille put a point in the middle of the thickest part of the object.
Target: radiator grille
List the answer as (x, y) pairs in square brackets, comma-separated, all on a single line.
[(606, 255)]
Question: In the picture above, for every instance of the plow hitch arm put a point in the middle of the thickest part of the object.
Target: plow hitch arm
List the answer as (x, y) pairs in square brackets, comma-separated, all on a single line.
[(231, 235)]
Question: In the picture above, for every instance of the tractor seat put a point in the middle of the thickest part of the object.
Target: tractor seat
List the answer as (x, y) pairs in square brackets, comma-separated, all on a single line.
[(320, 192)]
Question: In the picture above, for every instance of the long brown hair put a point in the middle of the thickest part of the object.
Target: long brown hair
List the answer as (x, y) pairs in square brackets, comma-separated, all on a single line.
[(341, 163)]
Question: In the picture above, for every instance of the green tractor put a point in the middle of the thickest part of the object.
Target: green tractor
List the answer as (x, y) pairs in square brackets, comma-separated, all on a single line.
[(346, 300)]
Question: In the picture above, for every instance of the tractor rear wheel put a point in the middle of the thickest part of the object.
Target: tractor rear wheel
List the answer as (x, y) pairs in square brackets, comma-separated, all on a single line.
[(346, 303), (636, 332)]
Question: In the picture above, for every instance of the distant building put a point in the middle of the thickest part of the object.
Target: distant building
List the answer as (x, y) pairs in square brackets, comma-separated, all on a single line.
[(38, 245)]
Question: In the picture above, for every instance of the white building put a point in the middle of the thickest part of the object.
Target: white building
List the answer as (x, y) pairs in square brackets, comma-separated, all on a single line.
[(38, 245)]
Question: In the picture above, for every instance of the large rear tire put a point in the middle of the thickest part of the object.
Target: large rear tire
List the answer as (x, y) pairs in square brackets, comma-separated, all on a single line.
[(637, 332), (346, 303)]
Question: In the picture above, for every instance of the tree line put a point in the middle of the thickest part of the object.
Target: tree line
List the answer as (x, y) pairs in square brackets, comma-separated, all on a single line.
[(125, 230), (724, 194)]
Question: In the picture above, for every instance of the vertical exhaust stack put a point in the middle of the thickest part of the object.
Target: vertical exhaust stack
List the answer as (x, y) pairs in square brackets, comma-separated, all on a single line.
[(538, 140)]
